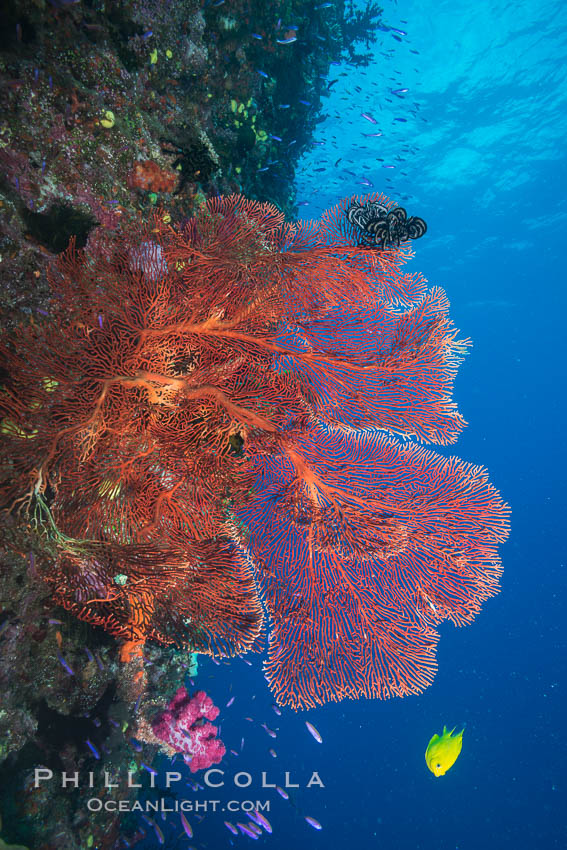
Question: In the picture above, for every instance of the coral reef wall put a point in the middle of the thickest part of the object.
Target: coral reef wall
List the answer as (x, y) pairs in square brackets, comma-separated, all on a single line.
[(109, 110)]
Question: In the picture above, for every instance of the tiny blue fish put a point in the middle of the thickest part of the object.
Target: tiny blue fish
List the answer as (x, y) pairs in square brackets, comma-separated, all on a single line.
[(246, 830), (65, 665), (261, 821), (157, 830), (93, 749), (256, 35), (148, 768), (313, 731), (186, 825), (263, 74)]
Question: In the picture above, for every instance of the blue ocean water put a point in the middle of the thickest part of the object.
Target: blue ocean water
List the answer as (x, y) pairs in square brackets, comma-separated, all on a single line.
[(480, 156)]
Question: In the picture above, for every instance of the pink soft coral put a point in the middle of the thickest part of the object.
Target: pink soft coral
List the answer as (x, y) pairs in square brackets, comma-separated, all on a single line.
[(183, 727)]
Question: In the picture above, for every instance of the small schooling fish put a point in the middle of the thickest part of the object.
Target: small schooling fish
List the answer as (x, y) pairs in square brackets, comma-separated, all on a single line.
[(187, 826), (314, 732)]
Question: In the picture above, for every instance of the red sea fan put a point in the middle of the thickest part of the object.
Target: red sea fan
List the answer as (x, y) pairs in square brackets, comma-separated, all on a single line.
[(125, 412), (215, 409), (391, 369), (363, 545)]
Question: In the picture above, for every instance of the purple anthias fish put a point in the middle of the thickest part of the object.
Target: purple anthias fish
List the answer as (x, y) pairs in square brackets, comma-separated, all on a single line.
[(65, 665), (92, 748), (187, 826), (247, 831), (314, 732), (260, 820)]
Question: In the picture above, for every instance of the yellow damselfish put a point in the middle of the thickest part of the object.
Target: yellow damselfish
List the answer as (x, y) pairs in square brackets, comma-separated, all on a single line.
[(443, 751)]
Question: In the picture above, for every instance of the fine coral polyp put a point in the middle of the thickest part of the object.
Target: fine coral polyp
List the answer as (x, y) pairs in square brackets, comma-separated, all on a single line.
[(227, 414)]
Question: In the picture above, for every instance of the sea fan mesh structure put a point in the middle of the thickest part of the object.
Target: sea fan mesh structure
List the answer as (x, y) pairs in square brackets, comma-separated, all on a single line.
[(365, 544), (227, 415)]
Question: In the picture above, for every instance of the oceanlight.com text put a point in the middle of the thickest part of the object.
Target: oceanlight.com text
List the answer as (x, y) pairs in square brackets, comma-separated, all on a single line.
[(96, 804)]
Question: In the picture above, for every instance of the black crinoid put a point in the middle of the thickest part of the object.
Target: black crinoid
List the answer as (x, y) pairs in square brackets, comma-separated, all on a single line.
[(383, 228)]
